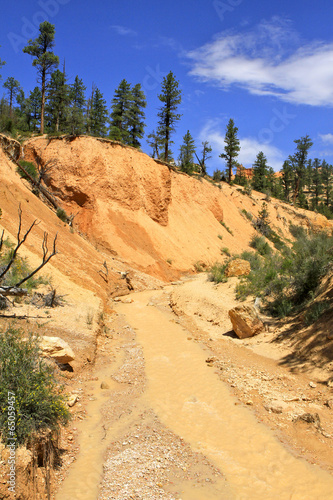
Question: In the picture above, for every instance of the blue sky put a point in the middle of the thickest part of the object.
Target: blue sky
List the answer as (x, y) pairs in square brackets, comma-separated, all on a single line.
[(267, 65)]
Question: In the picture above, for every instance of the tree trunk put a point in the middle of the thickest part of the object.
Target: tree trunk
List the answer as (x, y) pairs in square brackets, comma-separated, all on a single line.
[(43, 101)]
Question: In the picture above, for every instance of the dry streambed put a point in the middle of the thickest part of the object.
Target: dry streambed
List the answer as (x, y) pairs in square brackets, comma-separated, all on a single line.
[(166, 427)]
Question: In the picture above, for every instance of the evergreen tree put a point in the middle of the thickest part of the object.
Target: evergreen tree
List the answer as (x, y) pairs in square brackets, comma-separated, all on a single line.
[(260, 173), (44, 59), (218, 175), (98, 114), (136, 123), (187, 151), (316, 187), (231, 148), (58, 101), (171, 98), (155, 142), (327, 181), (287, 179), (121, 112), (298, 162), (205, 155), (22, 112), (13, 87), (34, 107), (77, 103)]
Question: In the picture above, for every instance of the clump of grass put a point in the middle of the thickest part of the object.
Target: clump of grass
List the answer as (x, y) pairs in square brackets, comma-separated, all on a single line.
[(62, 215), (247, 214), (216, 273), (226, 227), (220, 236), (260, 244), (38, 401), (225, 251), (315, 311)]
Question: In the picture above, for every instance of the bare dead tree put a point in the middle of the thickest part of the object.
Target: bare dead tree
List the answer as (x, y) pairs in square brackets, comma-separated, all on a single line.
[(47, 256), (1, 239), (20, 241)]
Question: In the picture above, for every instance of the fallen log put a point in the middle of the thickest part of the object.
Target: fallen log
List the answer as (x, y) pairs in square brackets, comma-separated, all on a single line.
[(6, 291)]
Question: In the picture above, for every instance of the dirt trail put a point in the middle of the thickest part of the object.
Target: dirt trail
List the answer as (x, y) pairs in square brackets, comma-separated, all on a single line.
[(191, 400)]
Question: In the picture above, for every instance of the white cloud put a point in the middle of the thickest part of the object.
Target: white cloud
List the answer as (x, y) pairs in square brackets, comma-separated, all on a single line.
[(123, 30), (326, 138), (249, 147), (268, 61)]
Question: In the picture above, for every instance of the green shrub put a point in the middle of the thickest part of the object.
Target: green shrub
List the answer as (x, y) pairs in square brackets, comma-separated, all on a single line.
[(288, 279), (216, 273), (18, 270), (297, 231), (260, 244), (30, 168), (39, 403), (225, 251), (62, 214), (247, 214), (226, 227), (315, 311)]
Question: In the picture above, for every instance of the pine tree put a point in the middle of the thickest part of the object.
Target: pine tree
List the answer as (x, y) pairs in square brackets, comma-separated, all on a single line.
[(260, 173), (98, 114), (77, 103), (136, 123), (327, 181), (287, 179), (298, 162), (35, 106), (155, 142), (120, 114), (58, 101), (316, 187), (45, 60), (187, 151), (13, 87), (171, 98), (205, 155), (231, 148)]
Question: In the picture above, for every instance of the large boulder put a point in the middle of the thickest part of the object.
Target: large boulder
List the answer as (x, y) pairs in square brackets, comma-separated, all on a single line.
[(57, 349), (238, 267), (245, 321)]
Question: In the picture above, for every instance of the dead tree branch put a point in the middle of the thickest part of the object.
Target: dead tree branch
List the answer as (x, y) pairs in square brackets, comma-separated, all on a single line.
[(20, 241), (1, 239), (46, 258)]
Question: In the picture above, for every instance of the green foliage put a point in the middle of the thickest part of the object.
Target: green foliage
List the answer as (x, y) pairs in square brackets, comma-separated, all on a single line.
[(225, 251), (39, 403), (260, 244), (226, 227), (247, 214), (289, 279), (231, 148), (218, 175), (18, 270), (62, 215), (98, 114), (315, 311), (187, 151), (76, 109), (216, 273), (29, 167), (170, 98)]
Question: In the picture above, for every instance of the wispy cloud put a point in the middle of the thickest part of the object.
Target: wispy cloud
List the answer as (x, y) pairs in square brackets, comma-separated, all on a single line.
[(214, 133), (326, 138), (268, 60), (123, 30)]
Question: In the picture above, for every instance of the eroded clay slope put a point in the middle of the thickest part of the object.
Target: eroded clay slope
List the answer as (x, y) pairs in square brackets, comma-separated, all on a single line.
[(158, 220)]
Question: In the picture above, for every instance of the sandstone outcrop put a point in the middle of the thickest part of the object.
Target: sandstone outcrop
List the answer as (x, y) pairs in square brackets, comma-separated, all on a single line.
[(238, 267), (245, 321), (57, 349)]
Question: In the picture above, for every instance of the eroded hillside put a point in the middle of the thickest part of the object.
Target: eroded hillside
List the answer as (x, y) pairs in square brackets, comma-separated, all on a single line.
[(160, 221)]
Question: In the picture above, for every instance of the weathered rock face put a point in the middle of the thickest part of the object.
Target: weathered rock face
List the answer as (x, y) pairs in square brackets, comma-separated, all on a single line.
[(245, 321), (11, 147), (238, 267), (57, 349)]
